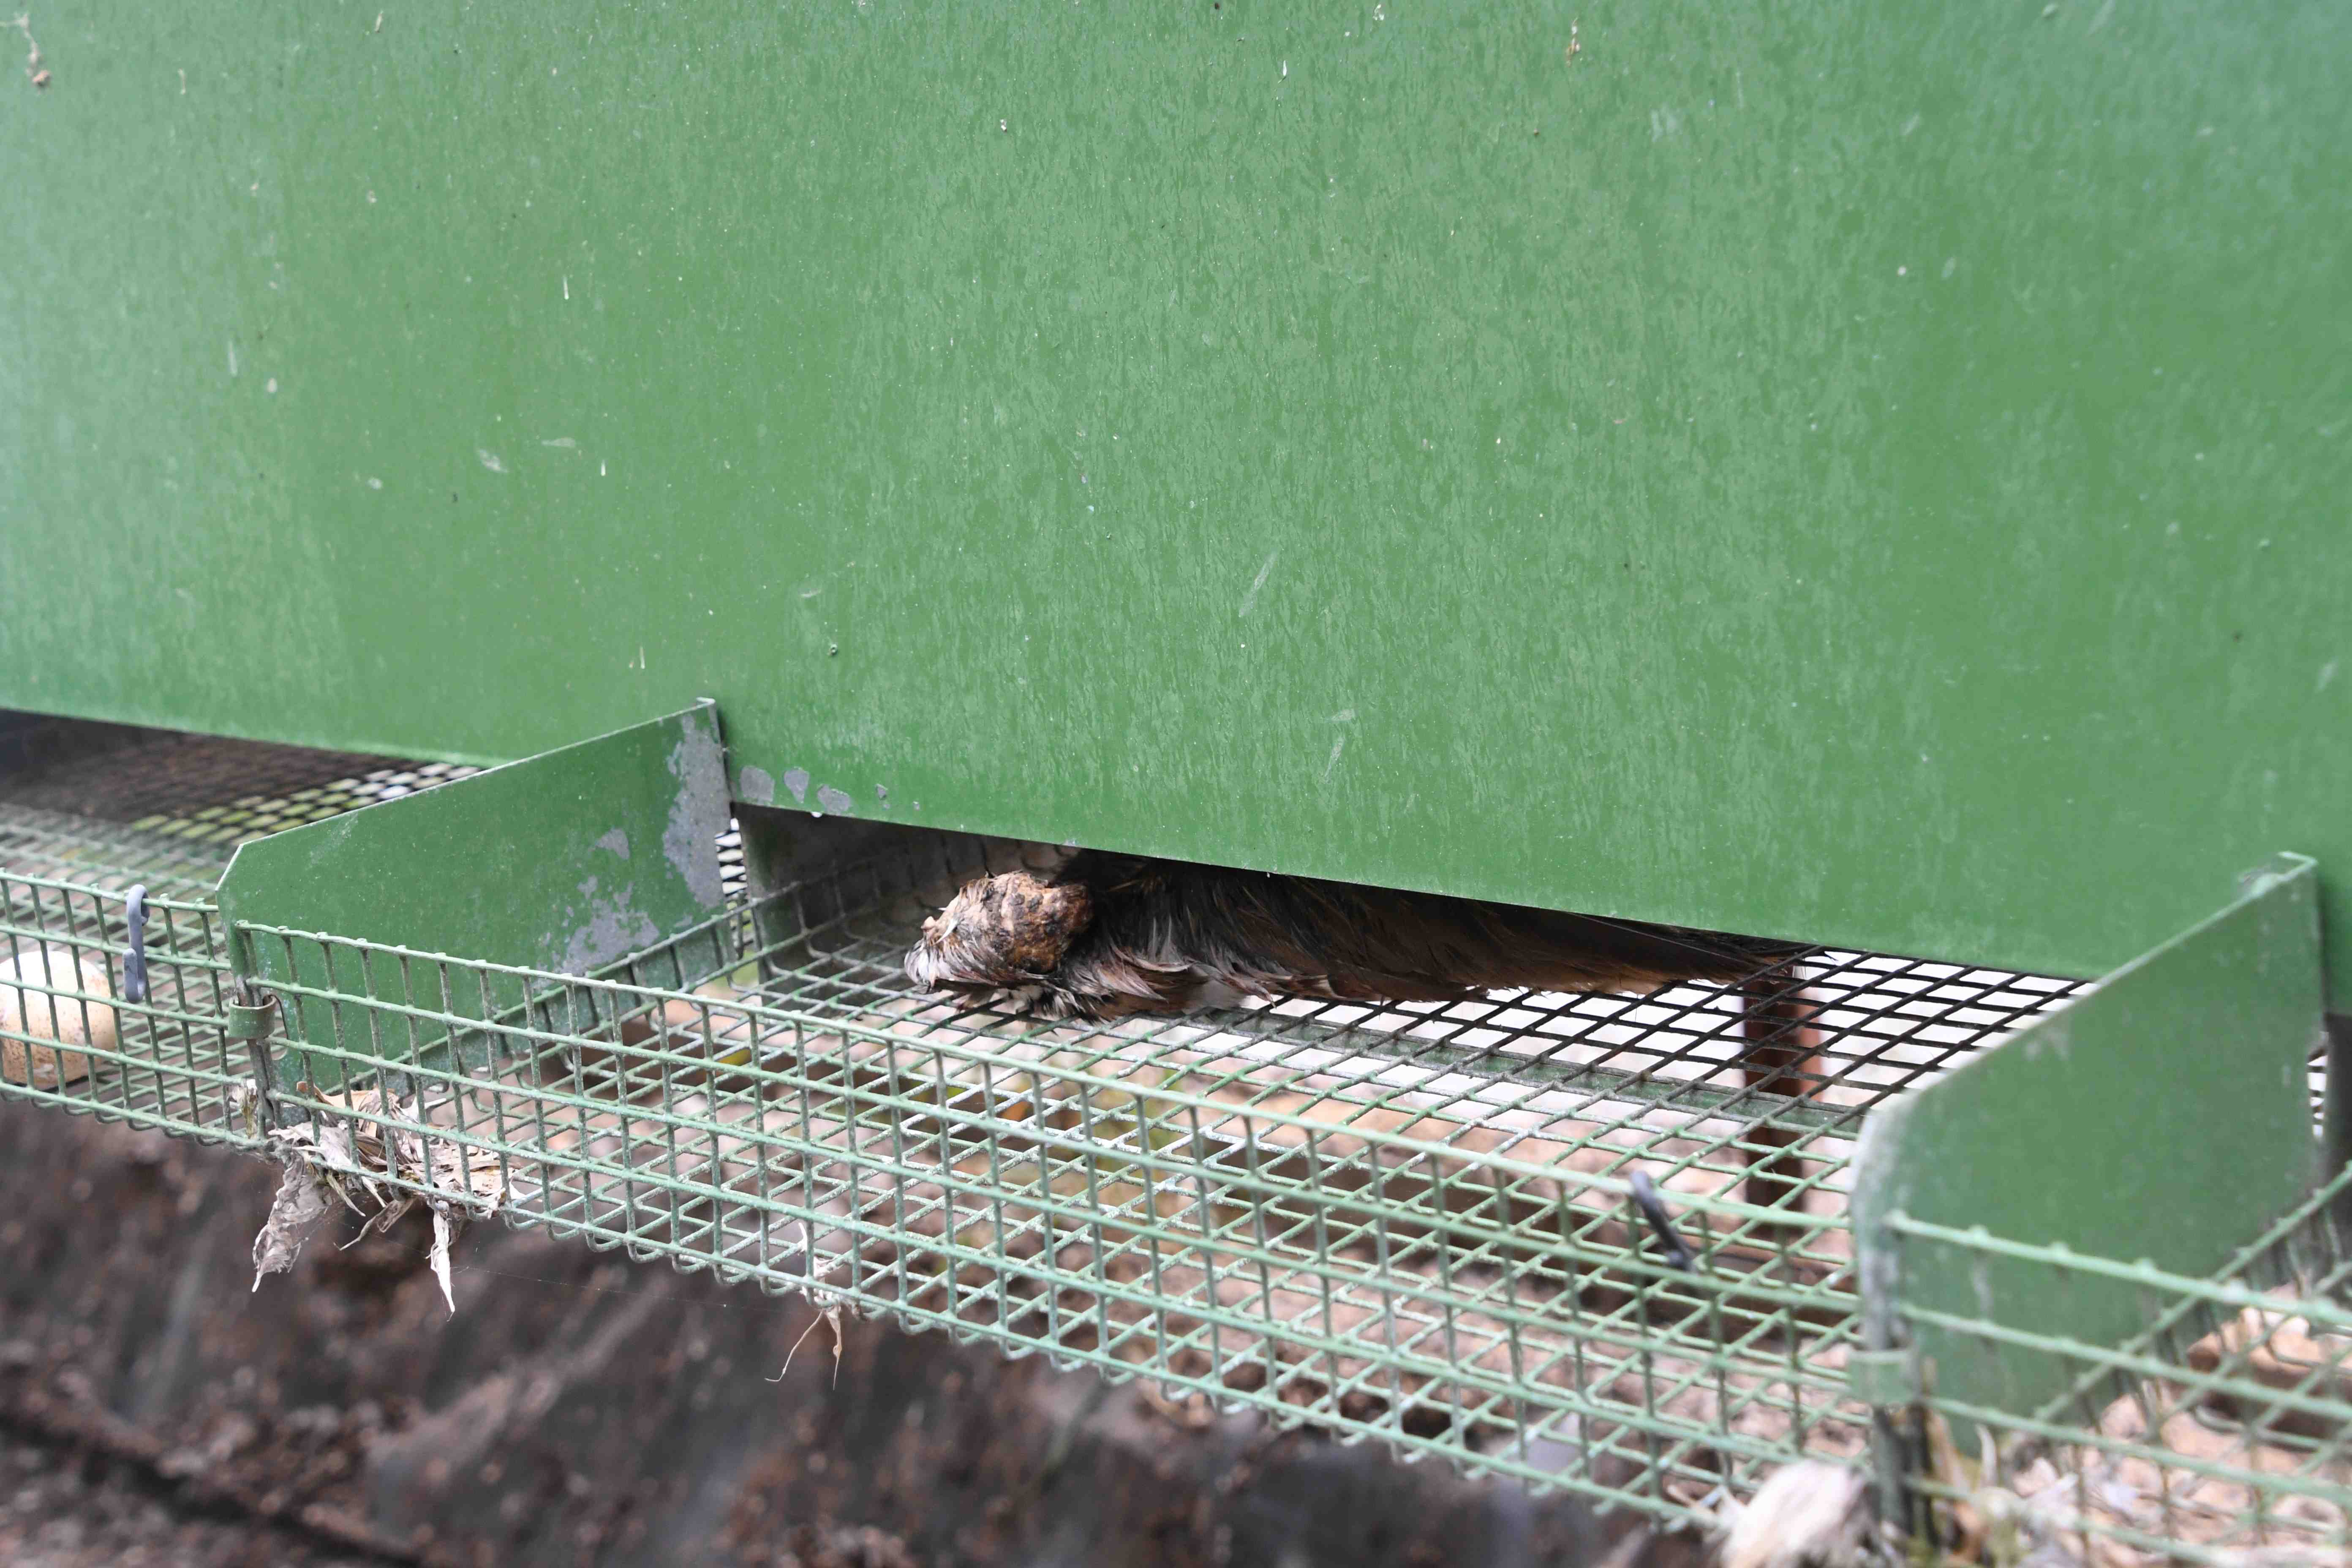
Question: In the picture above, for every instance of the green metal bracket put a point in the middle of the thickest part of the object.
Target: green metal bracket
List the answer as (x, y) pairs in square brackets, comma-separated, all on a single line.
[(2164, 1116), (1883, 1380), (566, 861)]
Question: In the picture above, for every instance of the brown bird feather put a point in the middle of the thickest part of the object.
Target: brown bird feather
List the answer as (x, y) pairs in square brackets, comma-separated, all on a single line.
[(1106, 935)]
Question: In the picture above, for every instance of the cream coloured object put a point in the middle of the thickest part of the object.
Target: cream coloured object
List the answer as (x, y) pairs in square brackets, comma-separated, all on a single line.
[(29, 980)]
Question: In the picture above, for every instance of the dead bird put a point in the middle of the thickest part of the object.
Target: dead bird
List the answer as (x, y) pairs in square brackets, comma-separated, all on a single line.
[(1106, 935)]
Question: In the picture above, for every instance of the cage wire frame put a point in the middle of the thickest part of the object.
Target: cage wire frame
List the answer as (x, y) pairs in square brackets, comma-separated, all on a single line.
[(1412, 1223), (2219, 1433)]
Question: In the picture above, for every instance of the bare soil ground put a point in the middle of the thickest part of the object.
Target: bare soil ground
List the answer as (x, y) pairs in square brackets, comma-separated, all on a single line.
[(581, 1410)]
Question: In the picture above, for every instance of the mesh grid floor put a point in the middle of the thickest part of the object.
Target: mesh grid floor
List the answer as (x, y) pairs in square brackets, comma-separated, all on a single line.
[(1410, 1223)]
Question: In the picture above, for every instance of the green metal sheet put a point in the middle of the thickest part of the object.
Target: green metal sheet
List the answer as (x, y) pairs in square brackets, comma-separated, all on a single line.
[(2165, 1117), (1875, 477), (567, 862)]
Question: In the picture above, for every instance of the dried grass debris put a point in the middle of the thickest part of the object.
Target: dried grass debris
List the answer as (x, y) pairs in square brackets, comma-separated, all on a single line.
[(381, 1160)]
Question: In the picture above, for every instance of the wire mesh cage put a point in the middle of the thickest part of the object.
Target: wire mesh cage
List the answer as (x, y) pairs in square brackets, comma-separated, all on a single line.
[(1595, 1242), (2220, 1432)]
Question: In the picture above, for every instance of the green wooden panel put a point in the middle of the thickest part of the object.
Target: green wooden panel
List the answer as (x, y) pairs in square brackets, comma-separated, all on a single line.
[(568, 861), (1874, 476), (2167, 1116)]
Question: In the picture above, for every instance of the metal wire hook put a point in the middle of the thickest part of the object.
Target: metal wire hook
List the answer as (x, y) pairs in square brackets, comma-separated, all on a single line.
[(1654, 1209)]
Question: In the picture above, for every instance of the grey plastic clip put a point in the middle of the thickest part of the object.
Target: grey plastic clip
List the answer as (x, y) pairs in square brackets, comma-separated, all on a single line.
[(134, 962)]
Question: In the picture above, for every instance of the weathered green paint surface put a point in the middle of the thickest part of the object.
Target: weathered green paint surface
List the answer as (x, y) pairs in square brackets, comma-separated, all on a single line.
[(566, 861), (1872, 477), (2170, 1117)]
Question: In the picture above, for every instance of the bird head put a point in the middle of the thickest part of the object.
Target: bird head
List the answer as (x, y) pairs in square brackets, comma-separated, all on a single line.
[(1000, 932)]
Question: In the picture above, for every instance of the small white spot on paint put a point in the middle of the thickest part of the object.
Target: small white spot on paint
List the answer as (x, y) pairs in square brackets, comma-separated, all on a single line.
[(375, 484), (271, 386), (232, 357), (566, 442), (2327, 674), (490, 459), (1250, 598)]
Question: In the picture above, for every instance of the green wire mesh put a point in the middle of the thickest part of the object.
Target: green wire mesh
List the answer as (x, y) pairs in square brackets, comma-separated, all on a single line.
[(2219, 1434), (1409, 1222)]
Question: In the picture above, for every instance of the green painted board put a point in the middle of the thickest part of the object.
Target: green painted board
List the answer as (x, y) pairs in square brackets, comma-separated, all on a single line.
[(2169, 1115), (1876, 476), (565, 862)]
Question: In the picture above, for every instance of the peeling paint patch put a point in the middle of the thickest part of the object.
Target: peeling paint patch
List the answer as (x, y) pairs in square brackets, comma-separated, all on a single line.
[(833, 800), (616, 843), (757, 785), (699, 814), (2053, 1033), (797, 781), (329, 838), (609, 934)]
